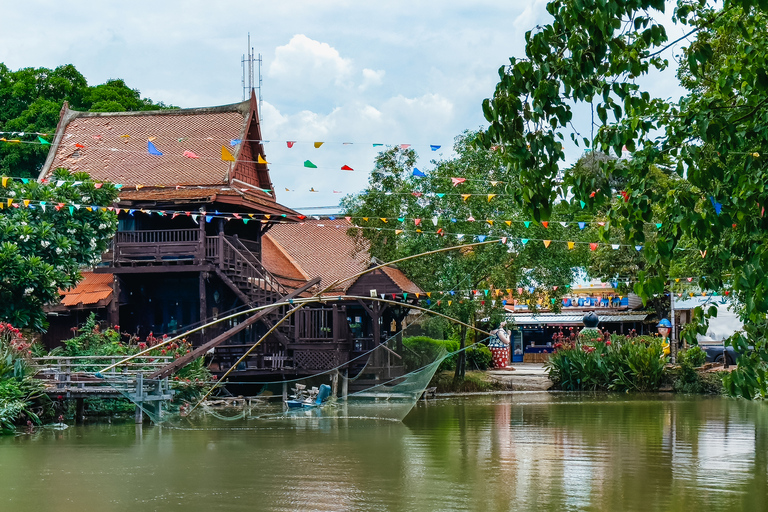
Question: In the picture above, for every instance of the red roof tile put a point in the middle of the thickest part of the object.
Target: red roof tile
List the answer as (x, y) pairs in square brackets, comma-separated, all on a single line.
[(323, 248), (91, 290)]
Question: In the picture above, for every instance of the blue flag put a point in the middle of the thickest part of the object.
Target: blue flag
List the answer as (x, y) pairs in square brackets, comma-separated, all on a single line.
[(152, 149), (418, 173), (434, 147)]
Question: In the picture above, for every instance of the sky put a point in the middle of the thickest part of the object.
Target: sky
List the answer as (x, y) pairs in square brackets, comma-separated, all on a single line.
[(334, 71)]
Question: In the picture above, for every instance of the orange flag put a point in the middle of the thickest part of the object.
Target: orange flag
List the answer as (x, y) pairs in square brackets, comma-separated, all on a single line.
[(226, 155)]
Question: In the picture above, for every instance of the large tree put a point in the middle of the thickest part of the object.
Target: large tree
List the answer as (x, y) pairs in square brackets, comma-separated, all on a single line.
[(30, 102), (402, 214), (716, 138), (48, 232)]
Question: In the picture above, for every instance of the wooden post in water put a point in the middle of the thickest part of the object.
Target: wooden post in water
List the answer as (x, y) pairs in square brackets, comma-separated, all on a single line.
[(345, 384), (139, 398), (335, 383), (285, 392), (80, 408)]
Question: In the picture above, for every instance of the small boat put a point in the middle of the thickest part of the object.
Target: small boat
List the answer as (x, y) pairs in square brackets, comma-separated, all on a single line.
[(308, 398)]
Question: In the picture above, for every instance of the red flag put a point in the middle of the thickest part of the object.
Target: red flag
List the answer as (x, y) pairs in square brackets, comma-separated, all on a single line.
[(347, 168)]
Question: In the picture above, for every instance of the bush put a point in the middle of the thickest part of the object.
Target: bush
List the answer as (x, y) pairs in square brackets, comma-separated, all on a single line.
[(621, 364), (479, 357), (18, 389), (694, 356), (420, 351)]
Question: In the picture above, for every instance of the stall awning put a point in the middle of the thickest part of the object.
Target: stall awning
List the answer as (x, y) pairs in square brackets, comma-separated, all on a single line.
[(570, 319)]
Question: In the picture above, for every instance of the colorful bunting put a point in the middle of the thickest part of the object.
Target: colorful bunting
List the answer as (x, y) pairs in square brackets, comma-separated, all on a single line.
[(457, 181), (309, 164), (226, 156), (318, 144), (346, 168), (152, 150)]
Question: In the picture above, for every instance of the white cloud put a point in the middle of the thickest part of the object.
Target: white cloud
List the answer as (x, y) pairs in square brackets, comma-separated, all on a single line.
[(371, 78), (310, 61)]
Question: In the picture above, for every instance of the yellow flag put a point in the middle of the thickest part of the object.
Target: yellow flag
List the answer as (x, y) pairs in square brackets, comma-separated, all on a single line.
[(491, 196), (261, 160), (417, 295), (429, 294), (10, 203), (318, 144), (571, 245), (677, 280), (465, 196), (383, 219), (547, 242), (267, 216), (398, 231), (5, 180), (508, 222), (226, 155), (365, 219), (26, 202), (489, 221), (450, 302)]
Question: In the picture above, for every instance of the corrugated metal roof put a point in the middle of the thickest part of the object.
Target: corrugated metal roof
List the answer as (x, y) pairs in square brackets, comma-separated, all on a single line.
[(92, 289), (551, 318)]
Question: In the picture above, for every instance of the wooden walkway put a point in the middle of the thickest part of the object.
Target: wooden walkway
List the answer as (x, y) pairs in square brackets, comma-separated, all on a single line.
[(75, 378)]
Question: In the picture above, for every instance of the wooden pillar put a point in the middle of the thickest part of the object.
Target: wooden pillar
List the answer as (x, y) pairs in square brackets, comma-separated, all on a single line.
[(285, 392), (345, 384), (201, 256), (203, 297), (114, 305), (80, 411), (335, 383), (220, 241)]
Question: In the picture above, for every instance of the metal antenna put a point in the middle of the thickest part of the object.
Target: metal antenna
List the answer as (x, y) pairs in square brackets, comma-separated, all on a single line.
[(249, 83)]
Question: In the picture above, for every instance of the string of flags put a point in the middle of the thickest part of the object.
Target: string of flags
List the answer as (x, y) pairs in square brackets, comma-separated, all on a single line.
[(16, 138)]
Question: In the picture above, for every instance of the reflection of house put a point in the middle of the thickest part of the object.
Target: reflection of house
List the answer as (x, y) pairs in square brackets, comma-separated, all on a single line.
[(190, 246)]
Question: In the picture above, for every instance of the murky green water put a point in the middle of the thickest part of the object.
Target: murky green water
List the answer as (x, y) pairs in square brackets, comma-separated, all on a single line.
[(510, 452)]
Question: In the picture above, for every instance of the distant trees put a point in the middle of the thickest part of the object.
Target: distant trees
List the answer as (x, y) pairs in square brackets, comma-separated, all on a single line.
[(31, 99)]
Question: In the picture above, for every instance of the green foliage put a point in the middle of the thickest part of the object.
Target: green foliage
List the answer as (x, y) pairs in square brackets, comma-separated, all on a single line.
[(479, 357), (91, 340), (30, 102), (43, 249), (693, 356), (420, 351), (712, 142), (18, 389), (624, 364)]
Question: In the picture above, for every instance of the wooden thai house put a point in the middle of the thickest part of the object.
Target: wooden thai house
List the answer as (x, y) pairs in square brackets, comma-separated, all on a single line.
[(201, 236)]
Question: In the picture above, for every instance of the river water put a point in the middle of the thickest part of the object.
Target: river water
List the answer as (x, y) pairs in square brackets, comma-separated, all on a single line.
[(523, 451)]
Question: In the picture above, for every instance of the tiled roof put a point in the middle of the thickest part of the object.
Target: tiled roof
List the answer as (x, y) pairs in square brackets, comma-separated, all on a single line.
[(118, 153), (322, 249), (405, 284), (91, 290), (113, 146)]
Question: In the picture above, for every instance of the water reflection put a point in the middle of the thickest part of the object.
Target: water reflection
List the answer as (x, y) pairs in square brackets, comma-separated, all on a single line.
[(530, 451)]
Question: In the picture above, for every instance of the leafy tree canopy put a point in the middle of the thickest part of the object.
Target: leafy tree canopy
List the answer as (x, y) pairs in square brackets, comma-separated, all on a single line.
[(43, 244), (714, 139), (31, 99)]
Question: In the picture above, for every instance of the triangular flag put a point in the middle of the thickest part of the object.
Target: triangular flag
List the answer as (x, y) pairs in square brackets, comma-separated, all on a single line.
[(190, 154), (404, 146), (290, 143), (508, 222), (547, 242), (5, 180), (638, 247), (309, 164), (527, 223), (416, 221), (545, 223), (226, 155), (481, 238), (260, 159), (703, 253), (718, 206), (571, 245), (233, 142), (346, 168), (564, 224), (491, 196), (434, 147), (582, 225), (465, 196), (524, 241), (440, 194), (318, 144), (583, 204), (398, 231), (615, 247), (658, 225), (152, 149), (43, 141), (383, 219), (489, 221), (456, 181), (593, 246)]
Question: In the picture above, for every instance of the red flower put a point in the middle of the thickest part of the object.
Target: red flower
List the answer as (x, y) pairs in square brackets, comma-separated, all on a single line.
[(608, 343)]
